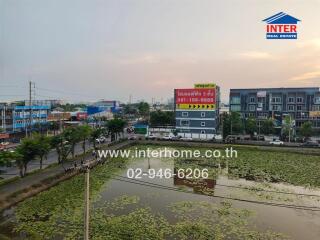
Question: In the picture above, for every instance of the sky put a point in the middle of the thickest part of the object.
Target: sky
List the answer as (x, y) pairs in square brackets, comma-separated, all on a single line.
[(85, 50)]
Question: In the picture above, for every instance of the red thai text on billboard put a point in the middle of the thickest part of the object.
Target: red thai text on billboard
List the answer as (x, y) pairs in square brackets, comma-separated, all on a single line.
[(196, 96)]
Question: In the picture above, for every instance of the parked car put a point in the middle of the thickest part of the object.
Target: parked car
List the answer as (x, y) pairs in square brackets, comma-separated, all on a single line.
[(230, 139), (167, 137), (101, 139), (276, 142), (132, 137), (151, 137), (258, 138), (309, 144), (186, 139)]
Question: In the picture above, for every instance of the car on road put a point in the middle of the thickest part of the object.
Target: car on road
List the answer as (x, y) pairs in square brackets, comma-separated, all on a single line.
[(309, 144), (186, 139), (167, 137), (230, 139), (276, 142), (151, 137), (132, 137), (101, 139)]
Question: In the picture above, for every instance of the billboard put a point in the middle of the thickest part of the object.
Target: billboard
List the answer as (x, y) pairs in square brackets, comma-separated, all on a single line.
[(195, 98), (204, 85)]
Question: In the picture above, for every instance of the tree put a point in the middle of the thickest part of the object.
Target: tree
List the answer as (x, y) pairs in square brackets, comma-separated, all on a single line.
[(73, 136), (43, 146), (306, 129), (251, 126), (28, 150), (286, 126), (232, 124), (85, 132), (7, 157), (115, 127), (160, 118), (62, 146), (129, 109), (96, 133), (143, 108), (267, 126), (54, 126)]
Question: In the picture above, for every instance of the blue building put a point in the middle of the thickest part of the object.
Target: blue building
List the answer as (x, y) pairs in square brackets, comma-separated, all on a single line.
[(21, 116), (302, 104), (102, 107), (15, 118)]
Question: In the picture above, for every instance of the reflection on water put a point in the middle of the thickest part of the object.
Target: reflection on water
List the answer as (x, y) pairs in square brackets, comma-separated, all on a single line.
[(200, 186), (298, 224)]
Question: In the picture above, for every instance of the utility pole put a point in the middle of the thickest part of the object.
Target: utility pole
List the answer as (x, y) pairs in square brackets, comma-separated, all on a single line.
[(30, 103), (87, 205)]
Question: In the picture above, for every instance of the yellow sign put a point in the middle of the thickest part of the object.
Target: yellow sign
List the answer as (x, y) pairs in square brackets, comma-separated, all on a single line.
[(204, 85), (196, 106), (314, 114)]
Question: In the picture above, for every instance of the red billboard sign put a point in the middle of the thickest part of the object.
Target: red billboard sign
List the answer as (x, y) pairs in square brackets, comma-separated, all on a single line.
[(195, 96)]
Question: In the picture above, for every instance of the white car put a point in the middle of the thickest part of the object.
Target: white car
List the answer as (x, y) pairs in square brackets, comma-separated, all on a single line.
[(166, 137), (276, 142), (151, 136), (186, 139)]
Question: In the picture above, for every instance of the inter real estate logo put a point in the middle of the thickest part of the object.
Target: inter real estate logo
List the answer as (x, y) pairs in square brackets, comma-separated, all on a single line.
[(281, 26)]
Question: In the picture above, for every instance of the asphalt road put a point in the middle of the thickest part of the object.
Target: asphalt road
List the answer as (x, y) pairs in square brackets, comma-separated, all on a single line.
[(11, 172)]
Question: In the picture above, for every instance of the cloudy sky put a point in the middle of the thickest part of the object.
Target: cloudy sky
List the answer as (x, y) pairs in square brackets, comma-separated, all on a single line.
[(111, 49)]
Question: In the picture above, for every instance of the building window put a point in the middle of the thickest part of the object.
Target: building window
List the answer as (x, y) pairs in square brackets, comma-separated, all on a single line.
[(276, 108), (203, 132), (184, 114), (235, 100), (235, 108), (290, 107), (252, 99), (291, 99), (184, 122), (203, 124), (299, 99), (317, 100), (276, 100), (203, 114), (252, 108), (299, 108)]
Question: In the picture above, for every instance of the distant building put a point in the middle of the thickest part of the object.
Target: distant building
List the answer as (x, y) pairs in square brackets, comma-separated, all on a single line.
[(197, 110), (21, 116), (17, 118), (103, 108), (51, 103), (302, 104)]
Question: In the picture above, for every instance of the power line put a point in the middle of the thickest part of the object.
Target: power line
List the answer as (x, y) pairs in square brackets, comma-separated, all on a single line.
[(260, 190), (159, 186), (65, 92)]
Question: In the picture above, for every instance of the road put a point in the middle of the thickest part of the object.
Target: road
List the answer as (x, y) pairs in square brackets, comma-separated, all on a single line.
[(11, 172)]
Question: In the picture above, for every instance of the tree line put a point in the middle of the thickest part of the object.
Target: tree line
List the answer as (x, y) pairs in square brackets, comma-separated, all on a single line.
[(38, 146)]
